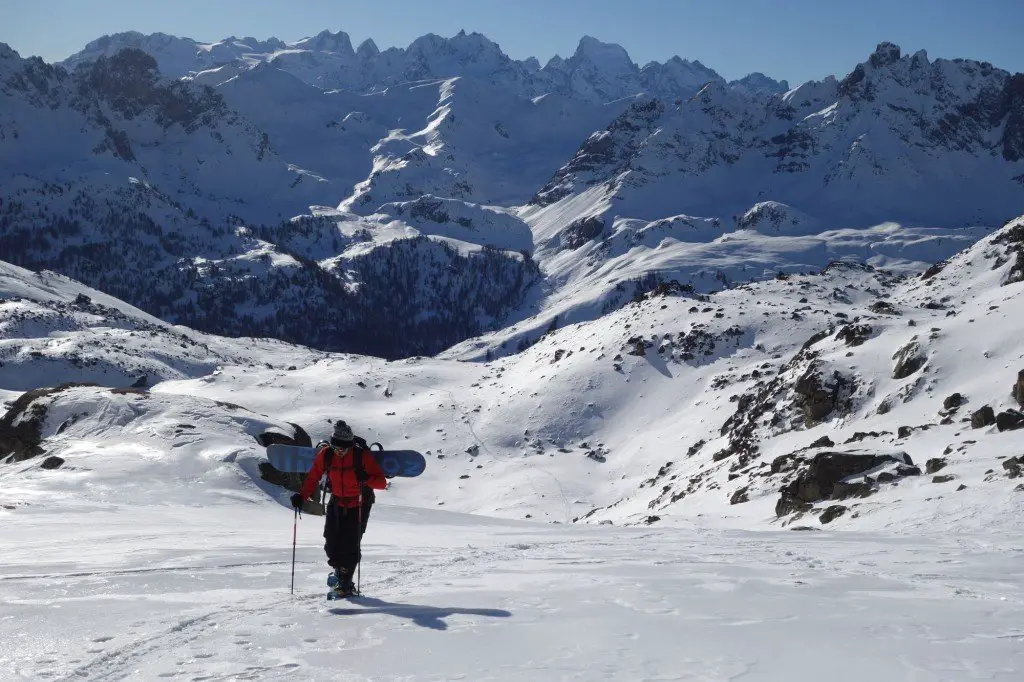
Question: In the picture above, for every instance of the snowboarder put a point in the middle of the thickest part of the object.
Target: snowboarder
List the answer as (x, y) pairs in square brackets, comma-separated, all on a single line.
[(352, 474)]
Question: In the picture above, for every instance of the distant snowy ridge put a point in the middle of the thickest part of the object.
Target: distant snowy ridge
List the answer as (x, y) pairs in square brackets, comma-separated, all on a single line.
[(596, 71)]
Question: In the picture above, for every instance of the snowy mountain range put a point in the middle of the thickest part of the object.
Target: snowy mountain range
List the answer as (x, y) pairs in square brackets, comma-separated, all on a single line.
[(597, 72), (264, 184)]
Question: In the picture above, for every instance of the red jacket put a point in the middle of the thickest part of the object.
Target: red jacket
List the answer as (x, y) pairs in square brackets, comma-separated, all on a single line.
[(342, 475)]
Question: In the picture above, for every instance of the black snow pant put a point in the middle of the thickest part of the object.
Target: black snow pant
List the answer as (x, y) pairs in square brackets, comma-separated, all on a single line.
[(343, 534)]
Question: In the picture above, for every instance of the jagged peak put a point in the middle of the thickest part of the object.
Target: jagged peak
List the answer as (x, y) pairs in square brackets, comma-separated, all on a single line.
[(427, 42), (325, 41), (591, 48), (8, 52), (758, 82), (885, 53), (367, 49)]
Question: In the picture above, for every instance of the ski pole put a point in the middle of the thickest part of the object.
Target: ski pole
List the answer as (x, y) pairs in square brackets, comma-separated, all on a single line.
[(359, 545), (295, 535)]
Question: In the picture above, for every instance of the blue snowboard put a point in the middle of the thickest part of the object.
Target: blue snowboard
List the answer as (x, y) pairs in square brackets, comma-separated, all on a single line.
[(299, 459)]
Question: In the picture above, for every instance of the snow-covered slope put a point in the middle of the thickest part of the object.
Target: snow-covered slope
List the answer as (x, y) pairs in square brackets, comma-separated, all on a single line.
[(676, 405), (144, 541)]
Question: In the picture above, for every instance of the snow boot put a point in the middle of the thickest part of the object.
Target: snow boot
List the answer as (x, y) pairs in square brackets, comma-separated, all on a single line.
[(340, 584)]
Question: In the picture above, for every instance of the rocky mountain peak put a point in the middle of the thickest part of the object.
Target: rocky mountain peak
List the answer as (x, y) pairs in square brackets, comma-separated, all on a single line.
[(610, 58), (325, 41), (367, 50), (885, 53)]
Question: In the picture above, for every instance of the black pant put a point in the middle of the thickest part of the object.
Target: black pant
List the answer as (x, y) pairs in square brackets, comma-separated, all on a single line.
[(343, 534)]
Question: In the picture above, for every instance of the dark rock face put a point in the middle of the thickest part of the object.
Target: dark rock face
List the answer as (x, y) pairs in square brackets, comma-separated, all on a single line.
[(953, 402), (884, 308), (824, 479), (908, 470), (885, 53), (823, 442), (1011, 420), (944, 478), (581, 231), (1018, 388), (1014, 466), (1013, 239), (817, 396), (53, 462), (832, 513), (909, 360), (854, 334), (1013, 132), (739, 497), (934, 465), (22, 440), (986, 416)]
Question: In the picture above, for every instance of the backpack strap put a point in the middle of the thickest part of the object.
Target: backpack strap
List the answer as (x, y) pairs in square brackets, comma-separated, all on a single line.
[(358, 447)]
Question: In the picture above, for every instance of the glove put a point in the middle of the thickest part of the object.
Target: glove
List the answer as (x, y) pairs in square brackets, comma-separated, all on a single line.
[(297, 501)]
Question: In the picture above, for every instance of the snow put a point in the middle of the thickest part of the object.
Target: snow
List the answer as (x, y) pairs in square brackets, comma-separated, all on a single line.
[(164, 554), (178, 588), (603, 495)]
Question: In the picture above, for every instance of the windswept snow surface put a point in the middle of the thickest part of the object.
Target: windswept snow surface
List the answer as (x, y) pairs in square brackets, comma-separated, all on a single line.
[(178, 586)]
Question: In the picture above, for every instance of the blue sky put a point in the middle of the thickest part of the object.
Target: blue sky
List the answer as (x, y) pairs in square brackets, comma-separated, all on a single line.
[(793, 39)]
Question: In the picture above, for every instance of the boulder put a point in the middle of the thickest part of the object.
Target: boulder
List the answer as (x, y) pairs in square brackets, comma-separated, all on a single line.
[(739, 497), (1014, 466), (844, 491), (854, 334), (934, 465), (832, 513), (1011, 420), (986, 416), (817, 395), (908, 360), (908, 470), (20, 427), (824, 479), (943, 478), (953, 402), (289, 481), (823, 442), (1018, 388), (884, 308), (52, 462)]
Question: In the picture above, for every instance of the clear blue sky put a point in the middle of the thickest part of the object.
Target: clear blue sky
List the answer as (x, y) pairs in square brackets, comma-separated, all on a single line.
[(793, 39)]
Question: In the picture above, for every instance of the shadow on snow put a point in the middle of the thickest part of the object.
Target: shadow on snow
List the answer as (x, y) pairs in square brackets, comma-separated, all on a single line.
[(425, 616)]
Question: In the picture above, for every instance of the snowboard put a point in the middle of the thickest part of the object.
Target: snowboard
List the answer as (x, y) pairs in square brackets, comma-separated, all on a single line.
[(299, 459)]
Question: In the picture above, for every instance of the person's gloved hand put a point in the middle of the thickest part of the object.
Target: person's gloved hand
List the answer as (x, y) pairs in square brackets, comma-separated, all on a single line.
[(297, 501)]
